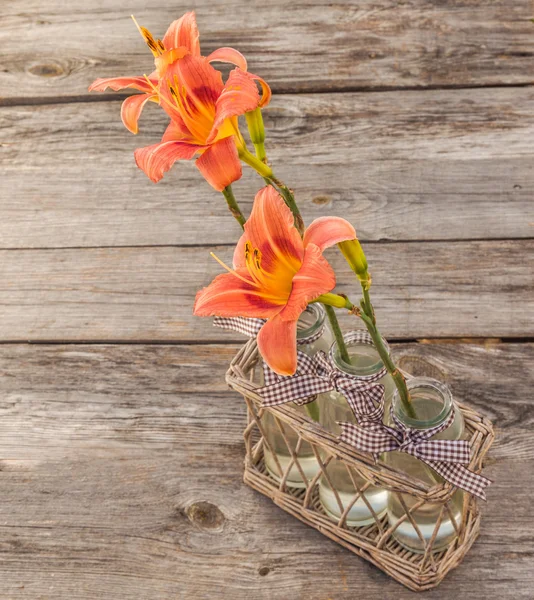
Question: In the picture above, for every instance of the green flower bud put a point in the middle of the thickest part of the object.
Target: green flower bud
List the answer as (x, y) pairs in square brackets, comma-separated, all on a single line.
[(257, 131), (353, 253)]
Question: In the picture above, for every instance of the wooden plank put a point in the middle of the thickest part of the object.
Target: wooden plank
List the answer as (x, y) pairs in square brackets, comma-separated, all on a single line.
[(306, 46), (439, 289), (405, 166), (121, 478)]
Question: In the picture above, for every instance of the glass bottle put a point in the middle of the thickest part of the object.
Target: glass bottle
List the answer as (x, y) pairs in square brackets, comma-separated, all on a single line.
[(433, 404), (364, 360), (311, 325)]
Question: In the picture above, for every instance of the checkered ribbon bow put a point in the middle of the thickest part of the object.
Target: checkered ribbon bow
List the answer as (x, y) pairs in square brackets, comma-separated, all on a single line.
[(319, 374), (251, 327), (446, 457)]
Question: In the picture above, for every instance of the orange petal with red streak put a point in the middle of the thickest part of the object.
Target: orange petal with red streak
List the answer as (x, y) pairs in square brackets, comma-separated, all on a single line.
[(271, 229), (196, 86), (230, 296)]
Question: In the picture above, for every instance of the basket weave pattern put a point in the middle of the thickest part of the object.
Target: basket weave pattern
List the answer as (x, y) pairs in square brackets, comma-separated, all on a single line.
[(375, 542)]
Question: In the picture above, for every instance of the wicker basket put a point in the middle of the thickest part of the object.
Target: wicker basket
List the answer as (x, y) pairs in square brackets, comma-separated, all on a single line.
[(373, 542)]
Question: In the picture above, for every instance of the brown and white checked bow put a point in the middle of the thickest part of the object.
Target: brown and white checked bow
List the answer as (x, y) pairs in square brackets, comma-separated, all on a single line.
[(446, 457), (315, 375), (320, 375), (251, 327)]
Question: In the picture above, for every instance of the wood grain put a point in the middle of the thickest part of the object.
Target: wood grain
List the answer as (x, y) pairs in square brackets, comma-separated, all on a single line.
[(126, 294), (121, 464), (121, 478), (431, 165), (56, 49)]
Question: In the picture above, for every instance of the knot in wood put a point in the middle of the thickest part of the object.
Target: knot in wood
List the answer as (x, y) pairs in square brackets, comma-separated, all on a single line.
[(205, 515)]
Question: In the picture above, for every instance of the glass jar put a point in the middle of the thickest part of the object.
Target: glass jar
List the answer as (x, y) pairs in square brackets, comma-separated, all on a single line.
[(364, 361), (433, 404), (313, 334)]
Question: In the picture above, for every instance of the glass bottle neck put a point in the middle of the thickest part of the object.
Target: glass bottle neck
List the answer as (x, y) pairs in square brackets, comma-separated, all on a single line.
[(364, 358), (311, 321), (432, 401)]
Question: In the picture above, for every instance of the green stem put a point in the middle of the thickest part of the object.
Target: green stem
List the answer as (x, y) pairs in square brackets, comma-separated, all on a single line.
[(313, 410), (396, 375), (289, 199), (369, 310), (233, 206), (263, 169), (260, 152), (267, 173), (338, 334)]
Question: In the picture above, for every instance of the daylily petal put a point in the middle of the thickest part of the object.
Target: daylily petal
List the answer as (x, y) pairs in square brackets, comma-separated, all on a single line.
[(315, 277), (120, 83), (176, 131), (131, 110), (183, 32), (277, 343), (327, 231), (193, 87), (265, 91), (229, 55), (168, 58), (220, 164), (271, 229), (240, 95), (229, 296), (157, 159), (239, 253)]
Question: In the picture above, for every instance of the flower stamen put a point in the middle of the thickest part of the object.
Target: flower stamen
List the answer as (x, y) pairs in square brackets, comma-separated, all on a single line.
[(233, 271), (156, 46)]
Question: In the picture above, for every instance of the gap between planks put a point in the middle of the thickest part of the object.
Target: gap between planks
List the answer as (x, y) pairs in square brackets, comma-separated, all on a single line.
[(478, 341), (382, 241), (99, 97)]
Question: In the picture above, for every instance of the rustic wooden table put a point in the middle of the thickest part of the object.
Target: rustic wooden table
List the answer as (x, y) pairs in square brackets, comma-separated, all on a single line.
[(120, 445)]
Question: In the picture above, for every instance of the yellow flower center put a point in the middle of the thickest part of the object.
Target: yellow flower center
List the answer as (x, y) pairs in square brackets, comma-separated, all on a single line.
[(275, 287)]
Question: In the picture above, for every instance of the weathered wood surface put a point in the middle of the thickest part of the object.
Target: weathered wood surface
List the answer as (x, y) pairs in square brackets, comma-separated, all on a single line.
[(426, 289), (121, 464), (400, 166), (121, 478), (302, 46)]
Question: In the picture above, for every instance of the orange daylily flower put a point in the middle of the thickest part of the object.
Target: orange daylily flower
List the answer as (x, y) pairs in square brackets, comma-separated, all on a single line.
[(181, 39), (204, 114), (276, 274)]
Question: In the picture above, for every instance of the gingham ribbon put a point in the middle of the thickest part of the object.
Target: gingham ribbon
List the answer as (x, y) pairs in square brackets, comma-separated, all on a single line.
[(446, 457), (320, 375), (251, 327), (246, 326)]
